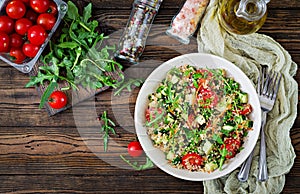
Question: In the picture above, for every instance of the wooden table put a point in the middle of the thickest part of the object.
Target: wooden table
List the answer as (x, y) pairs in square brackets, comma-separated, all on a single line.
[(39, 153)]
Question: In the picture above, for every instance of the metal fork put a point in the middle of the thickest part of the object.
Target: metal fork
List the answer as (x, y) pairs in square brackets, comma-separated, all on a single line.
[(267, 88)]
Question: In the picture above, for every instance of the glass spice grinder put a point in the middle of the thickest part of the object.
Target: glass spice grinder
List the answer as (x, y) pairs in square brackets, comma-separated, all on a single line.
[(242, 16), (132, 42)]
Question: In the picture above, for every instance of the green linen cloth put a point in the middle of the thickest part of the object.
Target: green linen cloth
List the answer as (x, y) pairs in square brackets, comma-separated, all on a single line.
[(248, 52)]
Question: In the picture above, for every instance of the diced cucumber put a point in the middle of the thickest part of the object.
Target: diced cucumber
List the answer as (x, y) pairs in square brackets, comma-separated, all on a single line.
[(209, 167), (228, 127), (200, 119), (170, 155), (207, 147), (243, 97)]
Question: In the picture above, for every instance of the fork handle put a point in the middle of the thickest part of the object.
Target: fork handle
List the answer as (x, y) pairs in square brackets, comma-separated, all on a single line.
[(245, 169), (262, 166)]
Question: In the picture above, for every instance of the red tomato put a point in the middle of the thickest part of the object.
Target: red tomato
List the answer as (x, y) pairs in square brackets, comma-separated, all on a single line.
[(4, 42), (15, 9), (40, 6), (46, 20), (17, 55), (151, 113), (16, 40), (31, 15), (231, 145), (206, 95), (135, 149), (57, 99), (30, 50), (247, 109), (52, 8), (192, 161), (37, 35), (22, 25), (6, 24)]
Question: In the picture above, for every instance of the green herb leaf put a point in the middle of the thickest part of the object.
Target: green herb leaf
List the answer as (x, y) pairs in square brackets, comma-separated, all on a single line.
[(72, 12), (87, 13), (106, 128), (149, 164)]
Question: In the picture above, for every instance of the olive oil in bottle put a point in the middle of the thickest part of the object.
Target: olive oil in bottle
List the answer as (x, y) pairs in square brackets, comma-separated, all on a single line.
[(242, 16)]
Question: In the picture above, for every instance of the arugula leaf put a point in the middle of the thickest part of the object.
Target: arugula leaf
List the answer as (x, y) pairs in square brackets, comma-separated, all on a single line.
[(106, 127), (149, 164), (72, 12), (87, 13), (128, 85)]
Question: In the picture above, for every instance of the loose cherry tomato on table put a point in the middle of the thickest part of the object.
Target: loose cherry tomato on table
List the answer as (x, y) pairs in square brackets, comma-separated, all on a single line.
[(15, 9), (46, 20), (17, 55), (22, 25), (135, 149), (192, 161), (58, 99), (7, 24), (37, 35), (231, 145), (31, 15), (4, 42), (52, 8), (16, 40), (30, 50), (40, 6)]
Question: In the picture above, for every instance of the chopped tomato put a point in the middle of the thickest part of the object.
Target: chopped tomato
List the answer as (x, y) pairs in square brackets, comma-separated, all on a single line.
[(151, 113), (231, 145), (245, 110), (192, 161)]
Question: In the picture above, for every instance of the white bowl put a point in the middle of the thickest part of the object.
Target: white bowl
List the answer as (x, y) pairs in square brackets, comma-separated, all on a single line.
[(199, 60)]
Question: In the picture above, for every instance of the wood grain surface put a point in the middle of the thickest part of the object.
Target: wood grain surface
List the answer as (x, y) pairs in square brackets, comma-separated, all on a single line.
[(64, 153)]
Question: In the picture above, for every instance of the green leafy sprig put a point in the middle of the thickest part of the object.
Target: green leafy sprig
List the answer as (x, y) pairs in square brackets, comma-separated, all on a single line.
[(128, 85), (136, 166), (107, 126)]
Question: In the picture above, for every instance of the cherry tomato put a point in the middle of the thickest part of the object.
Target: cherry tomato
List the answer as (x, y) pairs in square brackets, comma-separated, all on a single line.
[(4, 42), (52, 8), (135, 149), (22, 25), (6, 24), (37, 35), (30, 50), (57, 99), (15, 9), (192, 161), (31, 15), (40, 6), (17, 55), (231, 145), (16, 40), (46, 20)]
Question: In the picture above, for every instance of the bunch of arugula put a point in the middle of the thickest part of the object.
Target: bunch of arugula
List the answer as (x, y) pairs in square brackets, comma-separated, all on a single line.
[(78, 56)]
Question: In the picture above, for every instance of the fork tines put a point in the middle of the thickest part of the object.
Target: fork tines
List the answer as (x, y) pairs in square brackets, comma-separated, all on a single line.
[(268, 83)]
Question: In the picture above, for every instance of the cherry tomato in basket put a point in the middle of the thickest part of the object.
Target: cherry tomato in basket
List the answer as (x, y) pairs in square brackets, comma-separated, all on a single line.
[(135, 149), (52, 8), (192, 161), (231, 145), (40, 6), (46, 20), (57, 99), (15, 9), (22, 25), (4, 42), (30, 50), (37, 35), (16, 40), (31, 15), (6, 24), (17, 55)]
